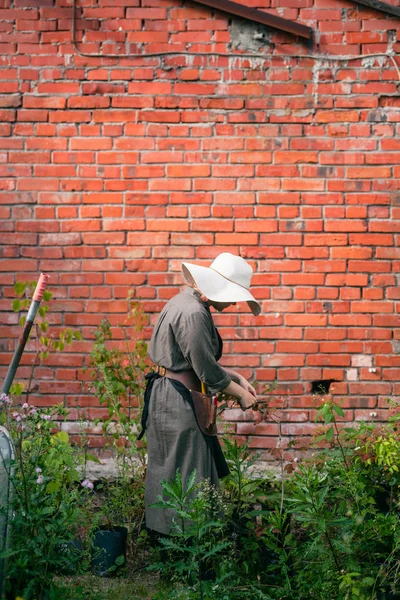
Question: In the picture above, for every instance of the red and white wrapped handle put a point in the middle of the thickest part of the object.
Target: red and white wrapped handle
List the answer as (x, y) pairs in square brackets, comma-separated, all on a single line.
[(40, 288)]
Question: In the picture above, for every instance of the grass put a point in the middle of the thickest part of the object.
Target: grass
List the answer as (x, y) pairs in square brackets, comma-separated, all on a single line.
[(90, 587)]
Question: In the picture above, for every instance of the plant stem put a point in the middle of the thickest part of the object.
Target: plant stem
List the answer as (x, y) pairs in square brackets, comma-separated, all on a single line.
[(341, 447)]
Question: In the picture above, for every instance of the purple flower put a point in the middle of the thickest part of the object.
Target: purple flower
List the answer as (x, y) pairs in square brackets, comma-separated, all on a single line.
[(39, 480), (45, 417), (38, 470), (87, 484), (25, 406), (5, 400)]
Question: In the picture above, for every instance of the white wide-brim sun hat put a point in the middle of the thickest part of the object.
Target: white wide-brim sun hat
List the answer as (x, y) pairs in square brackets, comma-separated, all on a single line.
[(227, 279)]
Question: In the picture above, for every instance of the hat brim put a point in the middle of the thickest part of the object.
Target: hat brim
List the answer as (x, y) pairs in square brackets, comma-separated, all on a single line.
[(217, 288)]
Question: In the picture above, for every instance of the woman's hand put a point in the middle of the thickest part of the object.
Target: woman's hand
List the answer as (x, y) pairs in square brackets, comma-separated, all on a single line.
[(247, 386), (247, 400), (242, 381)]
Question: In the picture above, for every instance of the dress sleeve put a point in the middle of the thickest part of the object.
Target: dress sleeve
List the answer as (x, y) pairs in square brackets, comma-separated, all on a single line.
[(194, 337)]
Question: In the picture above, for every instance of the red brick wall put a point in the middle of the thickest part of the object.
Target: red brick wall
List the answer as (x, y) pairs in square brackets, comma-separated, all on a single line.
[(115, 170)]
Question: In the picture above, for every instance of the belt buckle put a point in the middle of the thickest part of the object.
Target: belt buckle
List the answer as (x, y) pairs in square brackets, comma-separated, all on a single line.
[(161, 370)]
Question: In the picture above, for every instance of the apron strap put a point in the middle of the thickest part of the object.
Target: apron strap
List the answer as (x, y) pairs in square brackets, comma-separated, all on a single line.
[(150, 378)]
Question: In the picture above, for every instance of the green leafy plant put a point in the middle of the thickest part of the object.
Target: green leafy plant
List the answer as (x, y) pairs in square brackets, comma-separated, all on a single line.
[(118, 380), (196, 544), (46, 499)]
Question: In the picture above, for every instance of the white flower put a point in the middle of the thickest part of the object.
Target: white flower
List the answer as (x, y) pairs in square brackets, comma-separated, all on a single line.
[(38, 470), (45, 417), (25, 405), (39, 480)]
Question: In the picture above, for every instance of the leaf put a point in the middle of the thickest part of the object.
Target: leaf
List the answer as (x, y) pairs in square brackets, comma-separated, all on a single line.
[(16, 305), (329, 434), (48, 510), (338, 410), (93, 458), (17, 388), (62, 436), (19, 287), (8, 553), (120, 560), (53, 486)]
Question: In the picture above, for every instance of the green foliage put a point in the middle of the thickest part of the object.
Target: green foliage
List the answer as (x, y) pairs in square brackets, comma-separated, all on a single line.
[(118, 381), (331, 531), (45, 343), (46, 503), (197, 544)]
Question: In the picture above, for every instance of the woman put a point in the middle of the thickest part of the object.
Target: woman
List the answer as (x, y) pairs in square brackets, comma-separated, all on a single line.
[(185, 348)]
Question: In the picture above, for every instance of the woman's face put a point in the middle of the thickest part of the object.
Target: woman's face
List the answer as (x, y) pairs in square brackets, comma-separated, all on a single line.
[(220, 306)]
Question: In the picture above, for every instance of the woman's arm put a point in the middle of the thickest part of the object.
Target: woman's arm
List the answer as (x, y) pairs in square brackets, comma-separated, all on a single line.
[(245, 398), (242, 381)]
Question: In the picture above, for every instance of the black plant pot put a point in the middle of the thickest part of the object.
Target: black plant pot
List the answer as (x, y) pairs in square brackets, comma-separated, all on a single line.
[(386, 595), (109, 550)]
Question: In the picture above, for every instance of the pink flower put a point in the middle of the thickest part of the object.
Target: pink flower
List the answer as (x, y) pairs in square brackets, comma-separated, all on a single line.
[(39, 480), (5, 400), (25, 406), (87, 484), (38, 470)]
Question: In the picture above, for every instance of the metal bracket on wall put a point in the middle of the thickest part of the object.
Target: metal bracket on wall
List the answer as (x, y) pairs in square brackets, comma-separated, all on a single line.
[(382, 6), (259, 16)]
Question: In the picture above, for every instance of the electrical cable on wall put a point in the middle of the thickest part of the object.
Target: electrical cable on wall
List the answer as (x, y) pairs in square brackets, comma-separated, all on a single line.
[(322, 57)]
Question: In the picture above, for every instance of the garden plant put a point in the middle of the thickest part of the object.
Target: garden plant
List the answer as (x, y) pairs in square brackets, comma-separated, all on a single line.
[(325, 527)]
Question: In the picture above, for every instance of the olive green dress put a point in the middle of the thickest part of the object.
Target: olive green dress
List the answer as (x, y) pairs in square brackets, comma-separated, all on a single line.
[(184, 338)]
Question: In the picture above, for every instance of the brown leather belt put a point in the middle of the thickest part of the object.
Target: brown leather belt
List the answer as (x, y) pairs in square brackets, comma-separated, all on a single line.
[(188, 378)]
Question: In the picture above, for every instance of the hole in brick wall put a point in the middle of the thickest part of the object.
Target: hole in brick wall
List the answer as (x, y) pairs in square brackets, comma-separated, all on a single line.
[(249, 36), (321, 386)]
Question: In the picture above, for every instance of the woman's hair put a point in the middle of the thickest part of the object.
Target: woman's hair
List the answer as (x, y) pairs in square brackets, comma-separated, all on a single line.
[(193, 285)]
